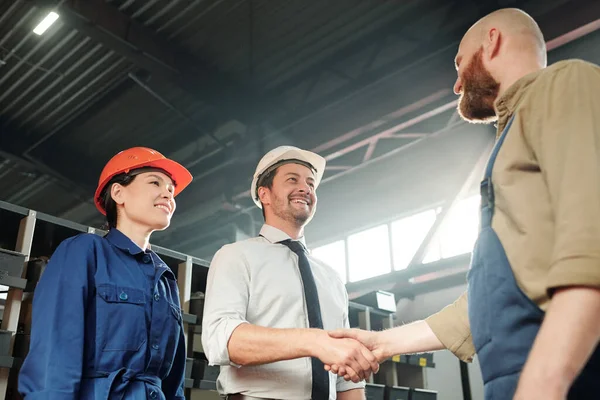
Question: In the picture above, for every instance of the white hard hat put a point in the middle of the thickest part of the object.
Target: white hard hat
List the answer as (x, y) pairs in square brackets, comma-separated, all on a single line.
[(282, 154)]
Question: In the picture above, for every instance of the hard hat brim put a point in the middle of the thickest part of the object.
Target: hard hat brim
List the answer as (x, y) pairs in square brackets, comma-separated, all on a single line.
[(178, 173)]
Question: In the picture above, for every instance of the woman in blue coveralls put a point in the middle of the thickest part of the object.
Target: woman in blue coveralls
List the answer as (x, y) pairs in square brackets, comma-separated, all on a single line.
[(107, 321)]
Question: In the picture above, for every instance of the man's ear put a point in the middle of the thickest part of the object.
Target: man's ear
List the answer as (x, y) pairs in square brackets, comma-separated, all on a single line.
[(264, 195), (492, 42), (116, 192)]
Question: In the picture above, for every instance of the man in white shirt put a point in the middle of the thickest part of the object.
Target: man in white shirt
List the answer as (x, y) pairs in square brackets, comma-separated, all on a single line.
[(268, 304)]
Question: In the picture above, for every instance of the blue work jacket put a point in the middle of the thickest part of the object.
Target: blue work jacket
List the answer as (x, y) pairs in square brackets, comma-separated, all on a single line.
[(107, 325)]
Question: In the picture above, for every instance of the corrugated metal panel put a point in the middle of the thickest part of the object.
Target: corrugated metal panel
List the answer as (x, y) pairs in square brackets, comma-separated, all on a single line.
[(26, 188), (46, 79)]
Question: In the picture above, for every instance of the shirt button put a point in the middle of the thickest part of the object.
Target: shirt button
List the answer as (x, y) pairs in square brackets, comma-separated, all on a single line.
[(152, 394), (146, 258), (123, 296), (155, 346), (156, 297)]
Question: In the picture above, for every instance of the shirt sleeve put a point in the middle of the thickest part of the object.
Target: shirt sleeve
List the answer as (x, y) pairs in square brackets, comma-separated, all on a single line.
[(225, 303), (53, 366), (341, 384), (451, 326), (564, 134), (173, 384)]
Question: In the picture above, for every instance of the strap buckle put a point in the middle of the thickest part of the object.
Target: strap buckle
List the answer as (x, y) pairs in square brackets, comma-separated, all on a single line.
[(486, 191)]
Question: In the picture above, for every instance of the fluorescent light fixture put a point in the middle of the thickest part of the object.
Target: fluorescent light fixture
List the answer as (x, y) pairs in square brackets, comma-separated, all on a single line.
[(46, 23)]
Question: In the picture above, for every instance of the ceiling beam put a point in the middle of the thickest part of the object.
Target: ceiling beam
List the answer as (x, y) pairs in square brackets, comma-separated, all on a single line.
[(575, 17), (279, 121), (572, 14), (394, 27), (458, 17), (106, 24)]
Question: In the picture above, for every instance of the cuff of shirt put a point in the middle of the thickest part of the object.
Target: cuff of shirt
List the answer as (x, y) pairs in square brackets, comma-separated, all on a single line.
[(223, 352), (342, 385), (457, 340), (574, 272)]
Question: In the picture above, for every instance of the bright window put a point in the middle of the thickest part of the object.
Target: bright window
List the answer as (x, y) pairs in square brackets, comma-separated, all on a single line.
[(458, 233), (408, 234), (369, 253), (334, 255)]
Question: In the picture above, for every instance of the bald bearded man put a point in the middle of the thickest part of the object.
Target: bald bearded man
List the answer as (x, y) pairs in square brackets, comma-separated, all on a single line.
[(532, 308)]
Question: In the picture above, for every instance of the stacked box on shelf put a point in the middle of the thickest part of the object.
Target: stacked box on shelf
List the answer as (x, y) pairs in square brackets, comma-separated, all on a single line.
[(422, 394), (204, 372), (421, 359), (374, 391), (5, 337), (11, 264), (397, 393)]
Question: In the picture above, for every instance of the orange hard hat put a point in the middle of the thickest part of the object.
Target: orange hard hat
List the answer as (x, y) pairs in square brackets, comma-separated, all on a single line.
[(138, 157)]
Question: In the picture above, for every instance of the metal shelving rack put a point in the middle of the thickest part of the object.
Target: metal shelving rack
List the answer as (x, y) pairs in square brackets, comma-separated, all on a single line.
[(403, 373), (27, 234)]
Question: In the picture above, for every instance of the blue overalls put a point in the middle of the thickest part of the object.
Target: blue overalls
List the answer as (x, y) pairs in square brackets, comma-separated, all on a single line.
[(107, 325), (504, 321)]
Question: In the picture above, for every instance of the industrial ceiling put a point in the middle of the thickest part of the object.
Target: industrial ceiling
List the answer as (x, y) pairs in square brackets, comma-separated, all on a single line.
[(216, 84)]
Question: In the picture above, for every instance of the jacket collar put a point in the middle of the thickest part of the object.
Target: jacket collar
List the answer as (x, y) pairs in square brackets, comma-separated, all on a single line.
[(119, 240), (509, 101)]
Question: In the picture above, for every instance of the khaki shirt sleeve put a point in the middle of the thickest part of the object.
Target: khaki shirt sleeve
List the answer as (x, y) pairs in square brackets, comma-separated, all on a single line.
[(564, 134), (451, 326)]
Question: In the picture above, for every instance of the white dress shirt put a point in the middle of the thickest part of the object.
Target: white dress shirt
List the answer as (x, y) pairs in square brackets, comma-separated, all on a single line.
[(257, 281)]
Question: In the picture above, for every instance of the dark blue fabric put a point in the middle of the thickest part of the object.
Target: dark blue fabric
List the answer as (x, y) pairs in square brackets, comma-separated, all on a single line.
[(107, 325), (504, 321)]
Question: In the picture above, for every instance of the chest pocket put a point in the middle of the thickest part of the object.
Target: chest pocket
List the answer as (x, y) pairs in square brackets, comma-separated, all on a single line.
[(121, 322)]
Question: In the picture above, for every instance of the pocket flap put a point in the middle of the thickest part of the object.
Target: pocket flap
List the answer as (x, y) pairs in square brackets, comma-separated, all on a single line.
[(121, 294), (177, 312)]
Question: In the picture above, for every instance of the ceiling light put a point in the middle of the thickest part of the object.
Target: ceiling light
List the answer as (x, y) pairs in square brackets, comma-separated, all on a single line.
[(46, 23)]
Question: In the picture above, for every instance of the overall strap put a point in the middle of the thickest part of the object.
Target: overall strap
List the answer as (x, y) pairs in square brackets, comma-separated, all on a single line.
[(486, 188)]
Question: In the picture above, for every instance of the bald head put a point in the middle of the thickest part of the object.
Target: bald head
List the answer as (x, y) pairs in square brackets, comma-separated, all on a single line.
[(496, 51), (518, 28)]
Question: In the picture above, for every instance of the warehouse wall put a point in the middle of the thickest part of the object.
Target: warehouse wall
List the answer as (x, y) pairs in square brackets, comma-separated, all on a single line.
[(445, 377), (427, 174), (411, 180)]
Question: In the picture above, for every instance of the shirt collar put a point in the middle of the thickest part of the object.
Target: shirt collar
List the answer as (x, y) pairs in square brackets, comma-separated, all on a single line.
[(275, 235), (118, 239), (507, 104)]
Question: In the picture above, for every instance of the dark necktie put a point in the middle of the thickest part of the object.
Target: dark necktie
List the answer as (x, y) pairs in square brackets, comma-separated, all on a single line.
[(320, 377)]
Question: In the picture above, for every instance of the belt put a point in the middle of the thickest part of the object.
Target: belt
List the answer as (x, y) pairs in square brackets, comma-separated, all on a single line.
[(120, 379), (239, 396)]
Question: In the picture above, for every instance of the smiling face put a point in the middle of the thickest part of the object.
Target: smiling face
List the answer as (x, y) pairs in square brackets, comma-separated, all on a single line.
[(147, 201), (291, 197)]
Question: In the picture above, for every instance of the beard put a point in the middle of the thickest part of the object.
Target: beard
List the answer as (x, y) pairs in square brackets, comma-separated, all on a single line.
[(283, 208), (480, 90)]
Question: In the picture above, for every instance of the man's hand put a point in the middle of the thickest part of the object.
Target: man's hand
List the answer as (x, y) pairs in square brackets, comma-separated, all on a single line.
[(570, 332), (538, 387), (358, 362), (368, 338)]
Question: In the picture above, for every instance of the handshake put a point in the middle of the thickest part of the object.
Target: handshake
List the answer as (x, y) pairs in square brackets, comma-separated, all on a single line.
[(351, 353)]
